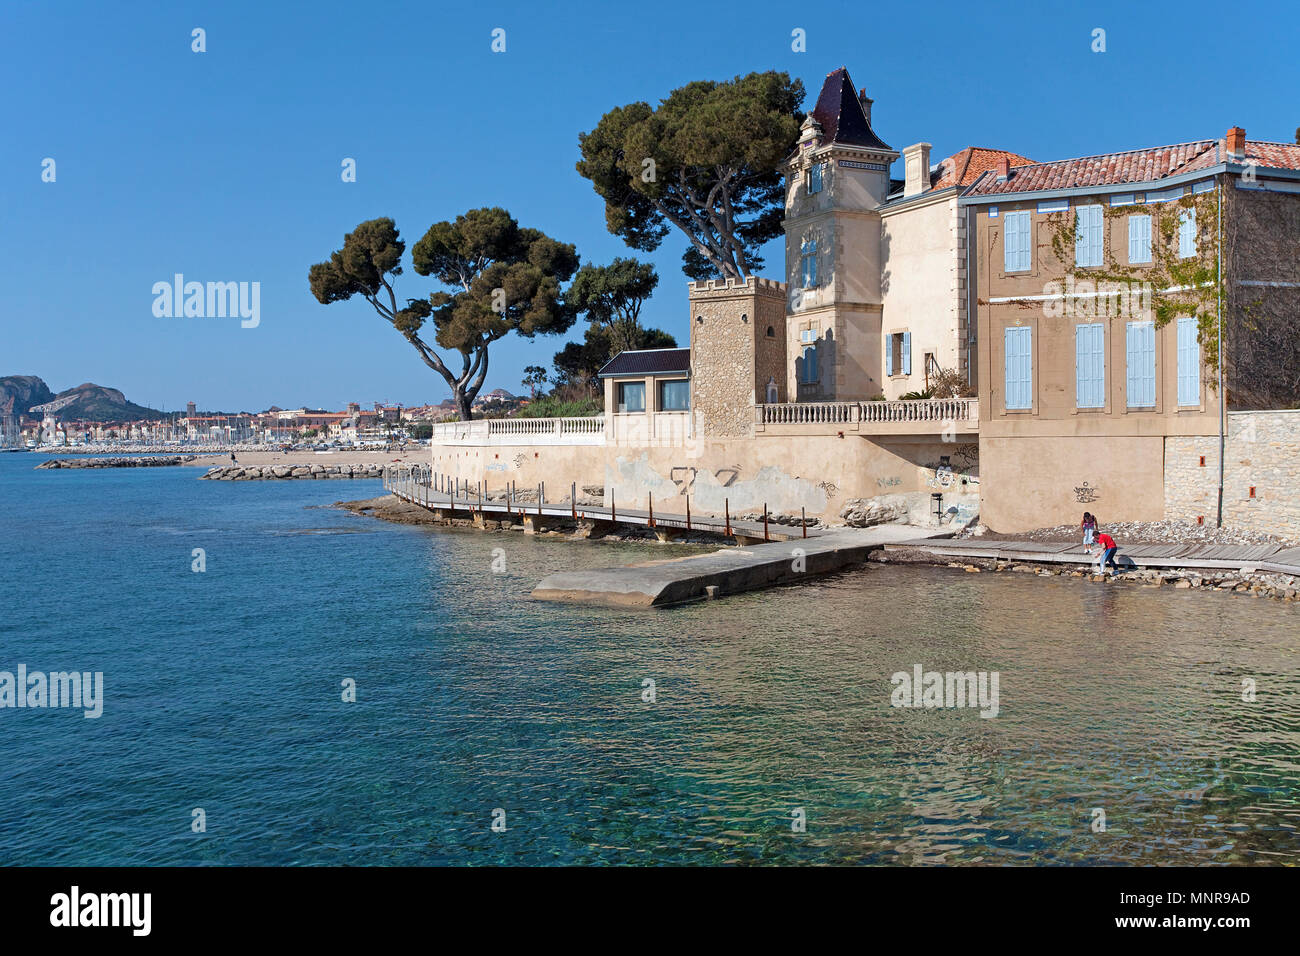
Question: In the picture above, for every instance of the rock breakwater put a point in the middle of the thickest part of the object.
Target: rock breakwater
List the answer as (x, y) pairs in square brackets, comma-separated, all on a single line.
[(288, 471)]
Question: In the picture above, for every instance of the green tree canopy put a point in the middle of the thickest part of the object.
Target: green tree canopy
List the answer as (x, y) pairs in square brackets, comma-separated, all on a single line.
[(611, 297), (498, 278), (705, 161), (578, 362)]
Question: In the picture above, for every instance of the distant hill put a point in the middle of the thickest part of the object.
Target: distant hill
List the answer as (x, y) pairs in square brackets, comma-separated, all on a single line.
[(25, 390), (90, 402), (95, 403)]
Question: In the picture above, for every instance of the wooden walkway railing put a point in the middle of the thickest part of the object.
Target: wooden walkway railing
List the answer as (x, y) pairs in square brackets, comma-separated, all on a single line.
[(419, 485)]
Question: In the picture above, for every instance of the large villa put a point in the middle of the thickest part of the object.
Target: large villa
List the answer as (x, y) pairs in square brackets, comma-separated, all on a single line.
[(986, 336)]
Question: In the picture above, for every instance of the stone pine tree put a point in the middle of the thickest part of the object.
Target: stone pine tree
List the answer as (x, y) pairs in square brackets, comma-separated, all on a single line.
[(497, 278), (612, 296), (705, 161), (577, 363)]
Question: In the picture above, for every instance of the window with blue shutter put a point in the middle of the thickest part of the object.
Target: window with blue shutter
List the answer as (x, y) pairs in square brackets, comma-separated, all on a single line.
[(815, 178), (907, 353), (1088, 236), (810, 364), (1139, 239), (1015, 241), (809, 264), (1019, 367), (1141, 349), (1187, 234), (1090, 365), (1189, 362), (889, 355)]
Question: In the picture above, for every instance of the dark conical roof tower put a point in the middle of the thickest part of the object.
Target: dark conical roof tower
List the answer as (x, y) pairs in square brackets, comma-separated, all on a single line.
[(840, 113)]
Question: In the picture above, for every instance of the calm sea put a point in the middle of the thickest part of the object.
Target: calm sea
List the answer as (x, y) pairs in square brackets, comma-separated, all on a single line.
[(223, 691)]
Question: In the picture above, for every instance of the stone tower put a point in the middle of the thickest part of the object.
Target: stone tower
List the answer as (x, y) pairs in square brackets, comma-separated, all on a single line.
[(836, 181), (738, 352)]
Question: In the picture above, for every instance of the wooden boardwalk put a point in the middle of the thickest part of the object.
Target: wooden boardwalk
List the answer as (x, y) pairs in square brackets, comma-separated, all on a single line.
[(1221, 557), (662, 521)]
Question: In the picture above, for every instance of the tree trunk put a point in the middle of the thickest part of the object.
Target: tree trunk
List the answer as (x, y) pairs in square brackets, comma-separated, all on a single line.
[(462, 404)]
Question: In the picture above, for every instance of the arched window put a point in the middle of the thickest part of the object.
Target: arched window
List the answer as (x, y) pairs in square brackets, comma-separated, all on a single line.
[(771, 332), (772, 395)]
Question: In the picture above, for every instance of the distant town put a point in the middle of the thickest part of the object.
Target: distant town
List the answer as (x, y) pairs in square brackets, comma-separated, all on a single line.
[(33, 417)]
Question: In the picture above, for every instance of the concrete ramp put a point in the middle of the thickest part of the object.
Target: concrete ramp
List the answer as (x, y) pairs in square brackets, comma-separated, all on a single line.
[(657, 583)]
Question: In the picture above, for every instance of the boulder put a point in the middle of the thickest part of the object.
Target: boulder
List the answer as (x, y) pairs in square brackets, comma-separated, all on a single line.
[(865, 512)]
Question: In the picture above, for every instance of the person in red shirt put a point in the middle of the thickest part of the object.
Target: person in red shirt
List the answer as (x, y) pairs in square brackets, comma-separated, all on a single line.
[(1108, 549)]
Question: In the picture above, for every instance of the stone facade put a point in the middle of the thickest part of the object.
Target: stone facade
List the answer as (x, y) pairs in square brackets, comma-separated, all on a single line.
[(740, 327), (1261, 481)]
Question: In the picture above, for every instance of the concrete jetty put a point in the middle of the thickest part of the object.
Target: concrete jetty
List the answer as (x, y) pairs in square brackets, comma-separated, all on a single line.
[(729, 571)]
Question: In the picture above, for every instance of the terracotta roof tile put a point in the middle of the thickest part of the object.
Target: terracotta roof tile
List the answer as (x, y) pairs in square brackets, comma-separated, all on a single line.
[(1130, 166), (963, 168)]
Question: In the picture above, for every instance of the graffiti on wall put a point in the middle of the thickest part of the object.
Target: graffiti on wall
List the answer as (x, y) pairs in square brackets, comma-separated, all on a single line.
[(891, 482), (943, 476), (683, 476), (1085, 493), (830, 489)]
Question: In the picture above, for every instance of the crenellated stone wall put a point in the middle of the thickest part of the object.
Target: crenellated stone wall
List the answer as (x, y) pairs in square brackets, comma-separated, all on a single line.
[(729, 323)]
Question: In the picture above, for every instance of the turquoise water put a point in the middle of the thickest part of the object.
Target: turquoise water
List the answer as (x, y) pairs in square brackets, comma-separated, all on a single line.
[(223, 692)]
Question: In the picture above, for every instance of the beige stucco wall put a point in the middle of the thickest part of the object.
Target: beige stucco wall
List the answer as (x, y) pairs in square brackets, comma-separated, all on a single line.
[(1262, 452), (1028, 482), (787, 473), (922, 284)]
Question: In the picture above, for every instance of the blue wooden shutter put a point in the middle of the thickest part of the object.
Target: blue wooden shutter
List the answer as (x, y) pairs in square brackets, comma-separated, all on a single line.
[(889, 355), (907, 353), (1189, 362), (1090, 365), (1015, 242), (1139, 239), (1019, 368), (1187, 234), (1088, 236), (1141, 349)]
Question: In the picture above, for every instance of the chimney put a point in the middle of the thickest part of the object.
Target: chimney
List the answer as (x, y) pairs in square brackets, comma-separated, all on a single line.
[(1236, 139), (1004, 169), (866, 102), (916, 169)]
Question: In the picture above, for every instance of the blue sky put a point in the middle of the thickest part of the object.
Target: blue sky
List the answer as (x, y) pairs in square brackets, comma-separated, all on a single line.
[(224, 166)]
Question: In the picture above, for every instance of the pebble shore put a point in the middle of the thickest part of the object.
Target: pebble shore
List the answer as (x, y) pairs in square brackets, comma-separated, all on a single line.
[(1258, 583)]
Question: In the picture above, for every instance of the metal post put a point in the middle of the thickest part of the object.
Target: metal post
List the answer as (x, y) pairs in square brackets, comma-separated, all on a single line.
[(573, 499), (803, 520), (651, 499), (613, 512), (539, 498), (726, 510), (765, 537), (688, 512)]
